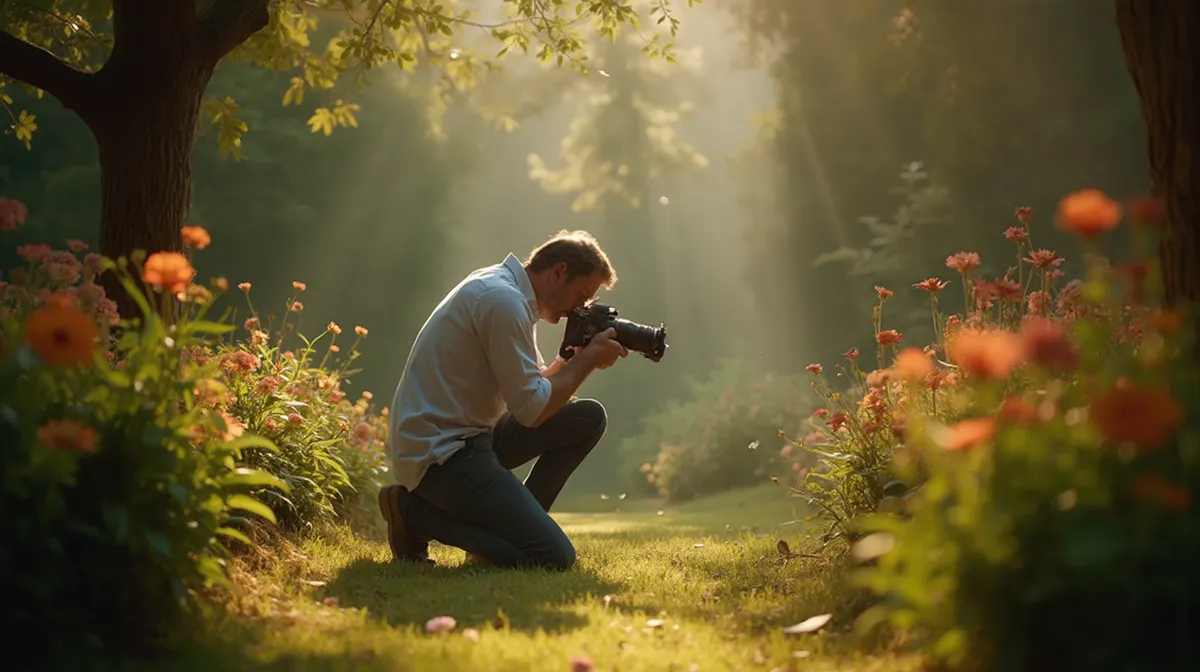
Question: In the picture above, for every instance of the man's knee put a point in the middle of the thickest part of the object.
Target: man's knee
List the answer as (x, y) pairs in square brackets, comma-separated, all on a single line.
[(557, 556), (592, 412)]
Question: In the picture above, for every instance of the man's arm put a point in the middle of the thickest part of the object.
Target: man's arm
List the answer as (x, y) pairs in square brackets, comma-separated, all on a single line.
[(505, 330), (565, 382), (554, 367)]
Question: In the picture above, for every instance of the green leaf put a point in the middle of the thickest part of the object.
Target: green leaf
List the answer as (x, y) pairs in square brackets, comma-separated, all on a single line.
[(250, 505), (159, 543), (252, 477), (207, 327), (234, 534), (243, 442)]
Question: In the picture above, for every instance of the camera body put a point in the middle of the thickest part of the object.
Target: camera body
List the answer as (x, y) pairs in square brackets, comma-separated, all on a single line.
[(584, 323)]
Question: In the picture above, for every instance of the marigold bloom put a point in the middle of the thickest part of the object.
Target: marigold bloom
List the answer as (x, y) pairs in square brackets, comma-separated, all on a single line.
[(68, 434), (170, 271), (931, 285), (61, 336), (969, 433), (1088, 213), (889, 337), (1147, 417), (987, 353), (913, 364), (196, 237)]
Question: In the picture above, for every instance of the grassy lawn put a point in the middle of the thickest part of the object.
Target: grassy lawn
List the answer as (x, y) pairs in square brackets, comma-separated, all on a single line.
[(708, 573)]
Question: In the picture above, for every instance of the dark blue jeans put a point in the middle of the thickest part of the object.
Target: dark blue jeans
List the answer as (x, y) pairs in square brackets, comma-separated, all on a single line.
[(474, 502)]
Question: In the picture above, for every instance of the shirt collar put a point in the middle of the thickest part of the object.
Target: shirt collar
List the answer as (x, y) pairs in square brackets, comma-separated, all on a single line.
[(513, 264)]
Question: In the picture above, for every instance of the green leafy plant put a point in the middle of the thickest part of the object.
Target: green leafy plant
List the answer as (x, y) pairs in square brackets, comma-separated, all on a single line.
[(726, 435), (117, 487)]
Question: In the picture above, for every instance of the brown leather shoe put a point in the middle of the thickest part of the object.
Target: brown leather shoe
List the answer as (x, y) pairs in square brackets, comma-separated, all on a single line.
[(406, 546)]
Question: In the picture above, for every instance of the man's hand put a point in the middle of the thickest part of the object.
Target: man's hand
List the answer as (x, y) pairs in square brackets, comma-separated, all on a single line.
[(603, 350)]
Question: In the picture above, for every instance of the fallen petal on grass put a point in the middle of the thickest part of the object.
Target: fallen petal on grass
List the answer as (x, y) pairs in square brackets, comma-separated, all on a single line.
[(808, 625)]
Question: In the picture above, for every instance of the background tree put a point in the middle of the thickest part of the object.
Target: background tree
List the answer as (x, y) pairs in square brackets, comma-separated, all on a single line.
[(157, 57), (622, 149), (1005, 104), (1159, 41)]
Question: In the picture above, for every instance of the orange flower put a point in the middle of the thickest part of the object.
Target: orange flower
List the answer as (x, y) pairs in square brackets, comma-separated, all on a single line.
[(170, 271), (889, 337), (1048, 344), (69, 435), (1088, 213), (913, 364), (299, 286), (963, 262), (1154, 488), (196, 236), (1017, 410), (989, 353), (931, 285), (361, 331), (61, 336), (1145, 211), (970, 433), (1144, 416), (333, 327), (1165, 321)]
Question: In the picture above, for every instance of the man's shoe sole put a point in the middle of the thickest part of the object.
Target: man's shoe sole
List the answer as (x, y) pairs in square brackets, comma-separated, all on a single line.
[(389, 506)]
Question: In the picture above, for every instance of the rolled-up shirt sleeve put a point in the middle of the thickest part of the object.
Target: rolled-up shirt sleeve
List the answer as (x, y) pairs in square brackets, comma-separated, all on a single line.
[(505, 328)]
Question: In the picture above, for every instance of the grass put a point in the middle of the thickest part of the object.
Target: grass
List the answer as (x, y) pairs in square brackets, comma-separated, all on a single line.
[(709, 570)]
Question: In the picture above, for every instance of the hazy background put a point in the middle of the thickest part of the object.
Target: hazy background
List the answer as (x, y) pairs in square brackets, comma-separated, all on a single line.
[(784, 124)]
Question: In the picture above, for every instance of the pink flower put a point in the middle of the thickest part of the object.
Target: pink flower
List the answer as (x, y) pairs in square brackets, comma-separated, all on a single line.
[(33, 252), (295, 419), (12, 213), (883, 292), (582, 664), (963, 262), (441, 624), (1024, 214), (1017, 234), (62, 267), (77, 245), (815, 368)]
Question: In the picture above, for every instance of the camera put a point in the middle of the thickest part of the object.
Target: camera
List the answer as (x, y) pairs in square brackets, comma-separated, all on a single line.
[(584, 323)]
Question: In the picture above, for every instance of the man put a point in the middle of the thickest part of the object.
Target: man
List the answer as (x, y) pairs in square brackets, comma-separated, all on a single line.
[(476, 401)]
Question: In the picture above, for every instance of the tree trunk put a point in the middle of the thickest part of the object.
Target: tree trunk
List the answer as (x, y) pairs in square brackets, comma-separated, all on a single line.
[(146, 165), (1161, 41)]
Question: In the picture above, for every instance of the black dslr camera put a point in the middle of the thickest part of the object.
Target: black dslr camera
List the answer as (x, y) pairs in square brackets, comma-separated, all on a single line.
[(584, 323)]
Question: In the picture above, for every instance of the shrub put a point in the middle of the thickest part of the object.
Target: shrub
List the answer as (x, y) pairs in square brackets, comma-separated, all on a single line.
[(1054, 482), (116, 486), (330, 449), (724, 436)]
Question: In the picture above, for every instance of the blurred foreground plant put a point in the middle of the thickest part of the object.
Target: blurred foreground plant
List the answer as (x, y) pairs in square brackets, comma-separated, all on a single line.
[(1048, 523), (115, 485)]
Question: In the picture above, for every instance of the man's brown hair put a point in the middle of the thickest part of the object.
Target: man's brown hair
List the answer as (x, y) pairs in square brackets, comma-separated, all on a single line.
[(578, 250)]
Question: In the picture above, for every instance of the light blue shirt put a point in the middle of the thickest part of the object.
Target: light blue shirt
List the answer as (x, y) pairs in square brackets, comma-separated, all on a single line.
[(475, 358)]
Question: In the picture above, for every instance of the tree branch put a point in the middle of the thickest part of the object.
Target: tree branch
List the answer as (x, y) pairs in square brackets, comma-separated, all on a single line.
[(228, 23), (38, 67)]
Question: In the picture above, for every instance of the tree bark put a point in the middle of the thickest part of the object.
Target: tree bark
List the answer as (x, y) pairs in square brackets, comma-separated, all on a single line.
[(1161, 41)]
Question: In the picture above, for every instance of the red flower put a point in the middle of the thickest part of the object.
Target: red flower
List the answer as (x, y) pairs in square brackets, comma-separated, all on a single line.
[(931, 285), (889, 337)]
